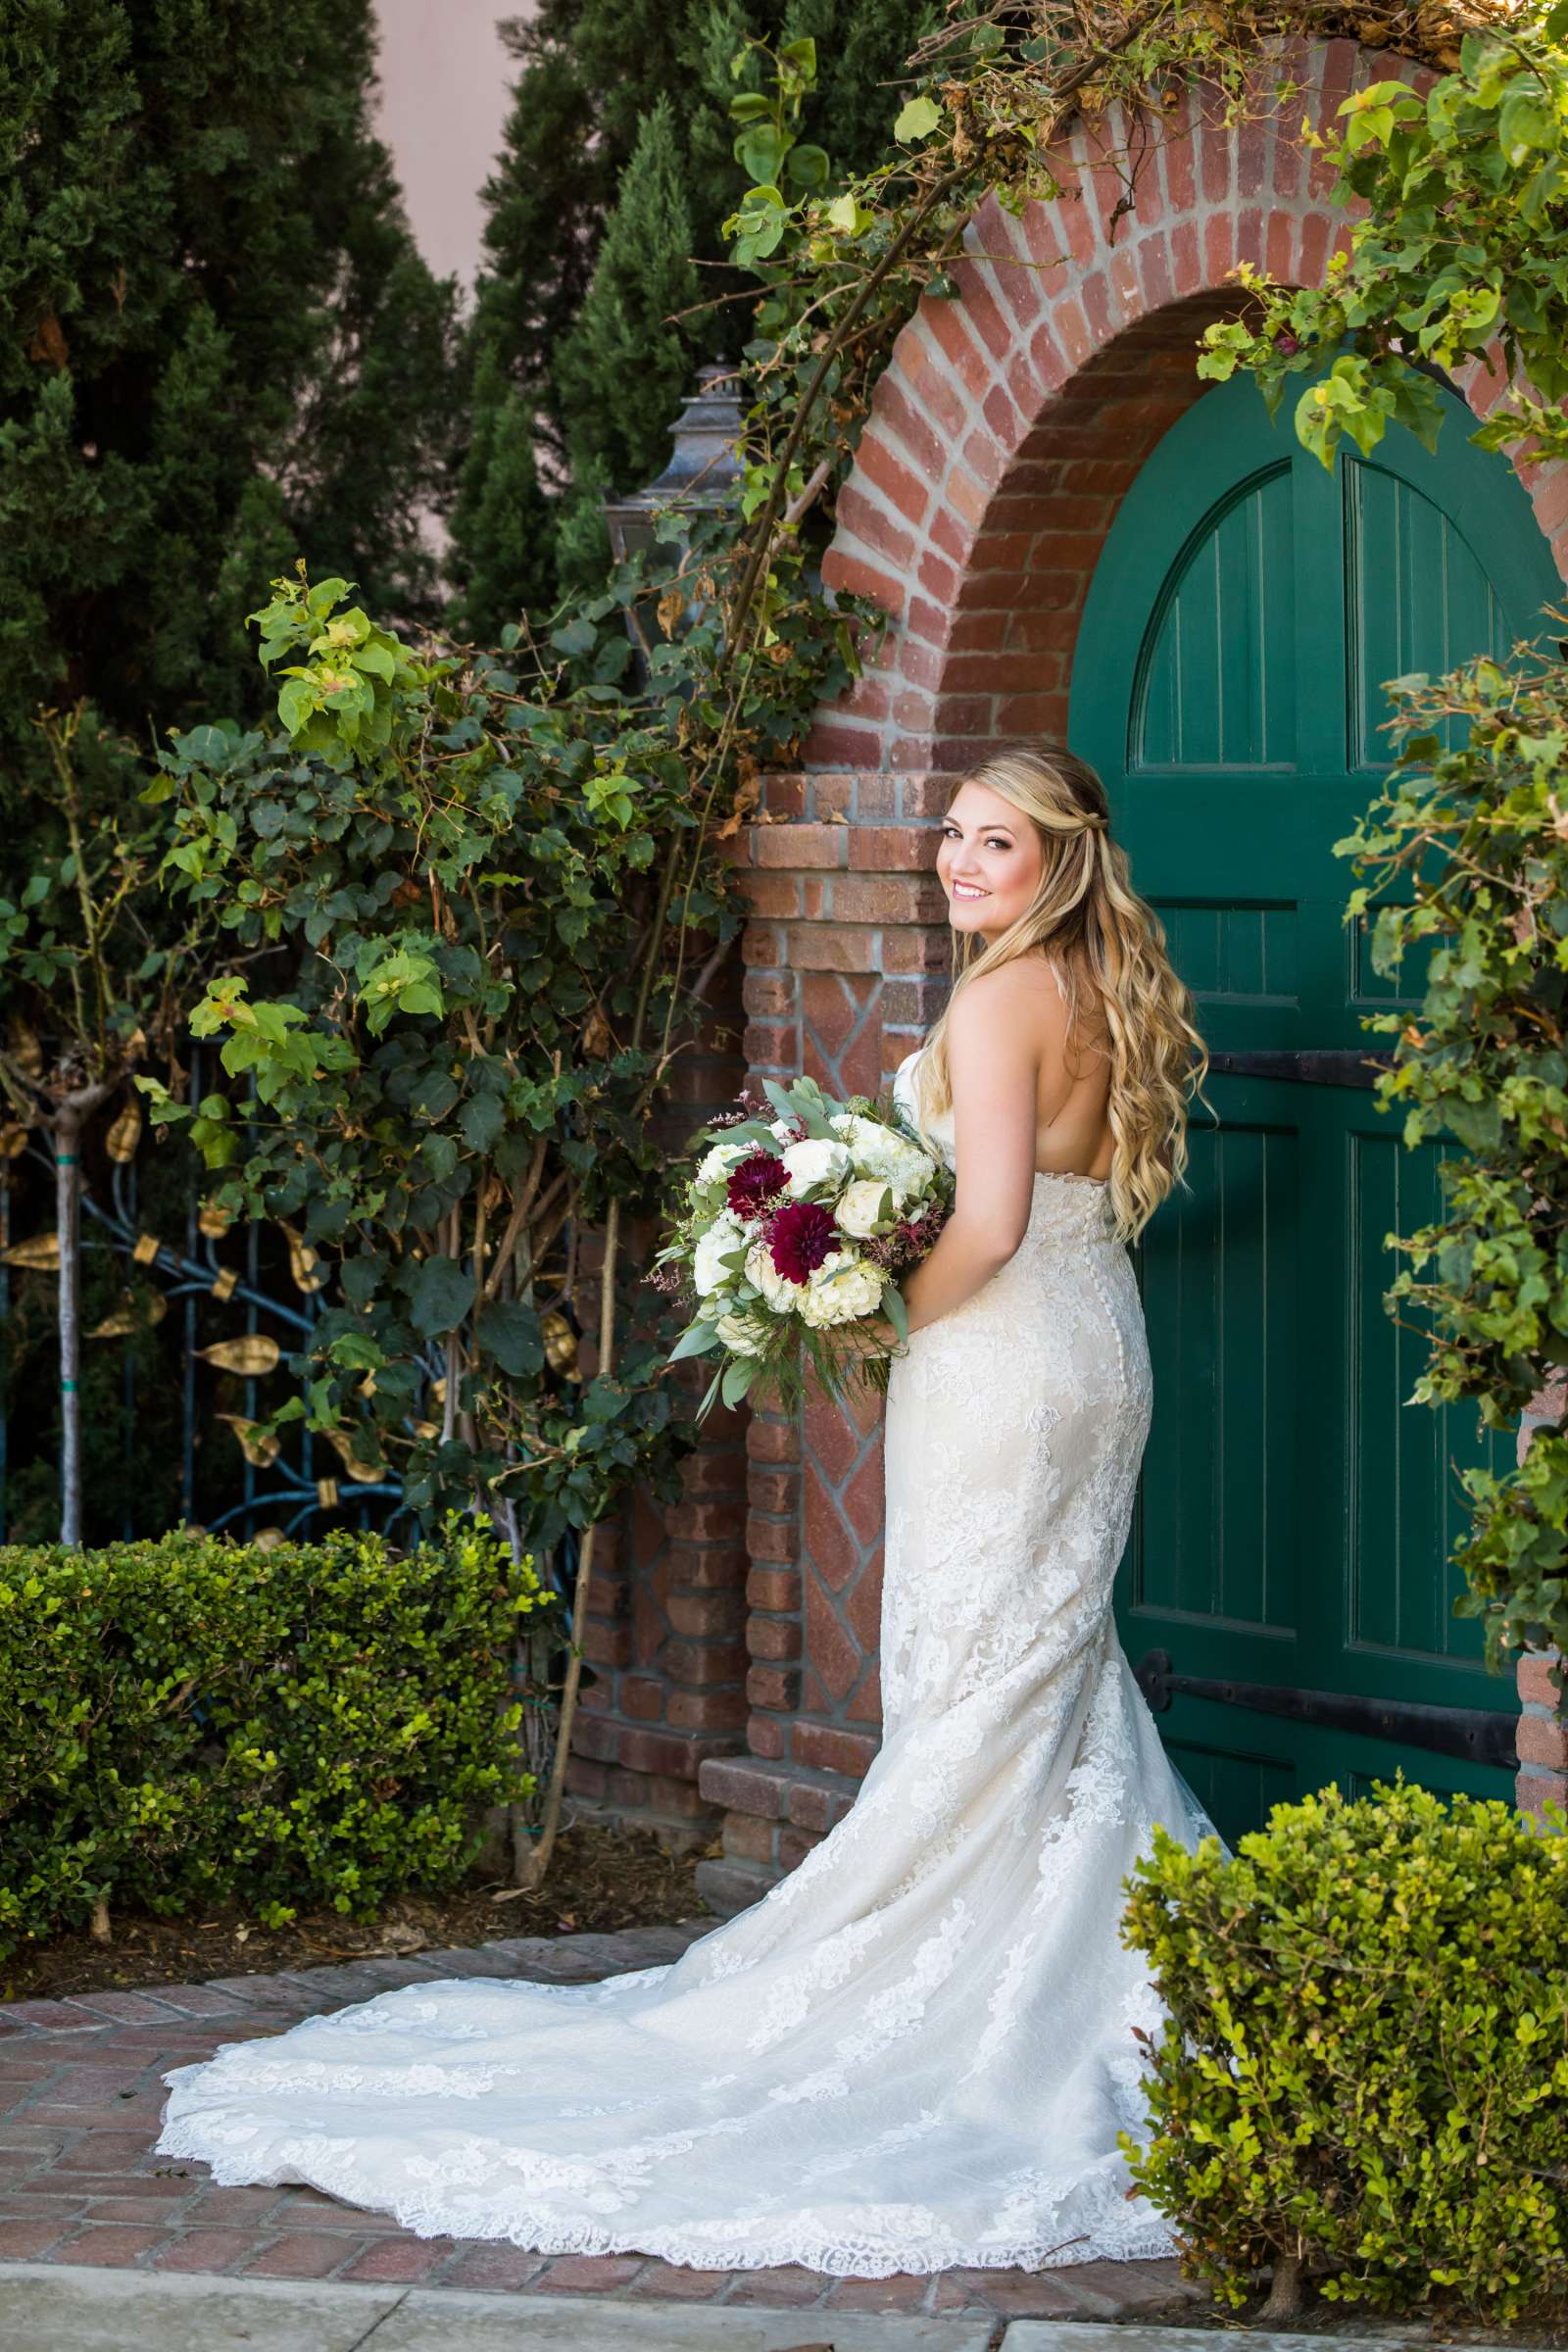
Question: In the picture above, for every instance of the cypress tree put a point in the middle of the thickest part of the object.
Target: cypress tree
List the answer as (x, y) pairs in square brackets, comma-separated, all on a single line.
[(502, 561), (622, 374), (218, 346)]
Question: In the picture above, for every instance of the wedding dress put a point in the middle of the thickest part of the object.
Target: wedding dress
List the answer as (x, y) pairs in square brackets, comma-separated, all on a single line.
[(916, 2051)]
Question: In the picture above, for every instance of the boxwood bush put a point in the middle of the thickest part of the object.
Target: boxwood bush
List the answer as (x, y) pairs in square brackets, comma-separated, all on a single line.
[(190, 1719), (1363, 2076)]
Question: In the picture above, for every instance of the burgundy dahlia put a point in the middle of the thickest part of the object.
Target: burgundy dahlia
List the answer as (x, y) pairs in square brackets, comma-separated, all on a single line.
[(756, 1181), (801, 1236)]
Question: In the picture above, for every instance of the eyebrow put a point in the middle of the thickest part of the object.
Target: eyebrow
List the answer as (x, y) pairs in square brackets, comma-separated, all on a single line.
[(950, 819)]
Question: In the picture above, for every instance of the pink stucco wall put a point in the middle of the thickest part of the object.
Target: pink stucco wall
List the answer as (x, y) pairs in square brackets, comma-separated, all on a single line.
[(446, 81)]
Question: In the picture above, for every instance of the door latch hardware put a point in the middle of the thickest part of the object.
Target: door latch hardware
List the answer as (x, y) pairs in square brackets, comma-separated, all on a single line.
[(1304, 1065), (1477, 1733)]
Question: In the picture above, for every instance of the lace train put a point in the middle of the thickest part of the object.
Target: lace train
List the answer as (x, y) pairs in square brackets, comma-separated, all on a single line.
[(915, 2053)]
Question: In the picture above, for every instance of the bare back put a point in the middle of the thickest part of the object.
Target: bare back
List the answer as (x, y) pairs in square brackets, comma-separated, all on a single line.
[(1073, 1136)]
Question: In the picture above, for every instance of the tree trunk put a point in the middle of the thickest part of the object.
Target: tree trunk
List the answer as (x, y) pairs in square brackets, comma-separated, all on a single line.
[(1284, 2294), (535, 1864), (67, 1226), (70, 1118)]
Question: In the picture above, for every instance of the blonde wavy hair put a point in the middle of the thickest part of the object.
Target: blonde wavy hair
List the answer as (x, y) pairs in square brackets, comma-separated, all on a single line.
[(1086, 915)]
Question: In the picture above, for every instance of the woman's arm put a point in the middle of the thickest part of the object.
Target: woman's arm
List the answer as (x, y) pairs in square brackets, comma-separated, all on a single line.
[(1000, 1029)]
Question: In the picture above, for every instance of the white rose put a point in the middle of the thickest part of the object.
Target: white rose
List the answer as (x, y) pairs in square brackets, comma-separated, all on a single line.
[(841, 1291), (720, 1161), (860, 1209), (722, 1237), (781, 1293), (742, 1335), (815, 1163)]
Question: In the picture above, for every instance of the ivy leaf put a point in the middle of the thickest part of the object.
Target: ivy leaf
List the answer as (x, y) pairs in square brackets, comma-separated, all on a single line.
[(509, 1331), (442, 1294), (917, 120), (852, 220), (362, 1277), (482, 1120), (576, 638)]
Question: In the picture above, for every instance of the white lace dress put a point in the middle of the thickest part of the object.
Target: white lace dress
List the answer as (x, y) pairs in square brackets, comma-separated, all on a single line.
[(917, 2050)]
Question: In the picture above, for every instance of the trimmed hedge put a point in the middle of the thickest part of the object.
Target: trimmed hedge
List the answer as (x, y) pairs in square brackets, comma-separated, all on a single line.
[(188, 1720), (1364, 2071)]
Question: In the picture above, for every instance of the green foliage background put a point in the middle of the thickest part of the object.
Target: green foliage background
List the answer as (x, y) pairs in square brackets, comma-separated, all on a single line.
[(218, 344)]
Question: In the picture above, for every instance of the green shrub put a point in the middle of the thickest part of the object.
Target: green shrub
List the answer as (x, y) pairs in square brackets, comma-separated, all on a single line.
[(190, 1719), (1364, 2069)]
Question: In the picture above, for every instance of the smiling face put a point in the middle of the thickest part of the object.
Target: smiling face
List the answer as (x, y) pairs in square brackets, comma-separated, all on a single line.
[(989, 863)]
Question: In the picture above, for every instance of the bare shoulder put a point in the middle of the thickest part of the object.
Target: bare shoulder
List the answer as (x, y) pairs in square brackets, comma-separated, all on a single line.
[(1020, 1002)]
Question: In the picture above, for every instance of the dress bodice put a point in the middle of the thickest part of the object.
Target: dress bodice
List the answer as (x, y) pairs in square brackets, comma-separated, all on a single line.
[(1065, 1207)]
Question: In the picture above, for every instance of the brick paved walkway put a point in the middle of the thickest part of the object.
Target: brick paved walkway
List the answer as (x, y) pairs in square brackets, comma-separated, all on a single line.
[(81, 2095)]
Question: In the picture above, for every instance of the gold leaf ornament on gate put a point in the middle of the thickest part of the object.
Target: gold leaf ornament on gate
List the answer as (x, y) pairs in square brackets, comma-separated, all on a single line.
[(25, 1050), (134, 1314), (39, 1256), (253, 1355), (260, 1446), (303, 1262), (364, 1474), (560, 1344), (124, 1135)]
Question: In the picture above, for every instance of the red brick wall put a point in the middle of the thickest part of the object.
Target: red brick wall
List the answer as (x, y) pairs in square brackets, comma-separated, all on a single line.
[(666, 1604), (1544, 1678)]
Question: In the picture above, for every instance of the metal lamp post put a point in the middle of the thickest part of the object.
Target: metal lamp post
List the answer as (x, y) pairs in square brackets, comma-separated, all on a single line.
[(702, 472)]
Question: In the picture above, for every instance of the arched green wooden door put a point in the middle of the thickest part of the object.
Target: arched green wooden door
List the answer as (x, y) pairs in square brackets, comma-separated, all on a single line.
[(1286, 1594)]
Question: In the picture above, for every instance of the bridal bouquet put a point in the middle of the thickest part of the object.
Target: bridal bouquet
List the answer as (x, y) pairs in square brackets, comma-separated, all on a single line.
[(795, 1231)]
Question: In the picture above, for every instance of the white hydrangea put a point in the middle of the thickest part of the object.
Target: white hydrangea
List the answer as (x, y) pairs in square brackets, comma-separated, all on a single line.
[(860, 1210), (742, 1335), (781, 1293), (725, 1234), (720, 1161), (843, 1289), (876, 1151), (815, 1163)]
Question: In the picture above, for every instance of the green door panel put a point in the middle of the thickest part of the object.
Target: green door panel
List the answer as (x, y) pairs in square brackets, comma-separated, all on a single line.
[(1296, 1510), (1212, 694), (1418, 594)]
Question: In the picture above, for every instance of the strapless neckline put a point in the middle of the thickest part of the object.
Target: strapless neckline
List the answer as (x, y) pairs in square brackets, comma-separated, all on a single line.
[(940, 1132)]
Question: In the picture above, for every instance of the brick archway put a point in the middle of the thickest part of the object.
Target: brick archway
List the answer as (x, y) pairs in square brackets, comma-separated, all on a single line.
[(1010, 422)]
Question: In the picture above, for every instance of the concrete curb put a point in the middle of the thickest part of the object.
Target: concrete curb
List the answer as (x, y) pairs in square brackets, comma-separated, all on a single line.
[(51, 2308), (48, 2307)]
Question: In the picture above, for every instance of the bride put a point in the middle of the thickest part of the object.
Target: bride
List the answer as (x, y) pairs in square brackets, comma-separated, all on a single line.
[(917, 2051)]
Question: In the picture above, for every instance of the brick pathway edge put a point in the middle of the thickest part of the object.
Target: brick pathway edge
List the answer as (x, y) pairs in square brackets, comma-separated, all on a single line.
[(82, 2094)]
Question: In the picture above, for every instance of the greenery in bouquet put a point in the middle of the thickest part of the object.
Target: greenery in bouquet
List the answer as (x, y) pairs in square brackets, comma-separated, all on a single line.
[(795, 1230)]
